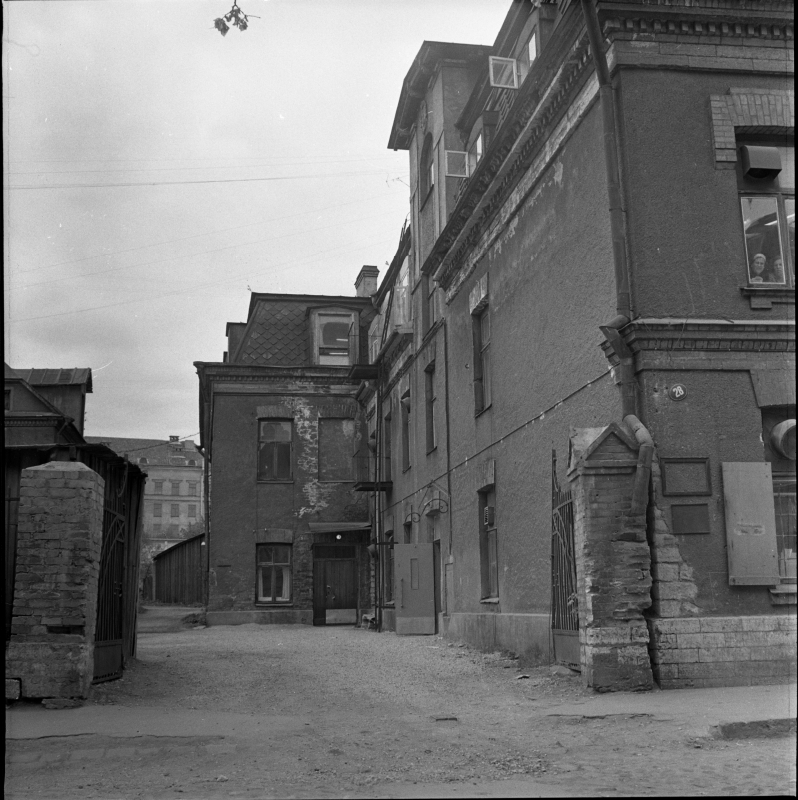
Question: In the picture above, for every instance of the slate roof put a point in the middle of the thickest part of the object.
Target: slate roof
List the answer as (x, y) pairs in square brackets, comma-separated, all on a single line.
[(276, 336), (56, 377)]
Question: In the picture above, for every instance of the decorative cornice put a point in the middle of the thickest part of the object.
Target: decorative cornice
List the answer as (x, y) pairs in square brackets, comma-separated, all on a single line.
[(706, 336)]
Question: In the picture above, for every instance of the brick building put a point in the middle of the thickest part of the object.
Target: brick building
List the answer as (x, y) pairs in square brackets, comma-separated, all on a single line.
[(175, 491), (288, 535), (601, 265)]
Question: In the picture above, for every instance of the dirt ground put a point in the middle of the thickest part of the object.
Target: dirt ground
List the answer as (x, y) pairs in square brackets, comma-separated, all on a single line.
[(354, 713)]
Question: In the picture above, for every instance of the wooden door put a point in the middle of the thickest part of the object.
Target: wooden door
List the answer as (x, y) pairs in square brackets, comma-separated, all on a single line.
[(414, 588), (335, 586)]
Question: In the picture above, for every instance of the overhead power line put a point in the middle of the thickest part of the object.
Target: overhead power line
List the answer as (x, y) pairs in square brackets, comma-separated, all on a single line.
[(186, 183)]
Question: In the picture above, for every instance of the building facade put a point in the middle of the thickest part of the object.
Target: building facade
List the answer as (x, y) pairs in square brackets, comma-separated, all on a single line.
[(288, 535), (174, 499), (583, 405)]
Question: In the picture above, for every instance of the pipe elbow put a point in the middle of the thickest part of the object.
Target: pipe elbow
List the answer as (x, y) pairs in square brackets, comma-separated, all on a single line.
[(641, 433)]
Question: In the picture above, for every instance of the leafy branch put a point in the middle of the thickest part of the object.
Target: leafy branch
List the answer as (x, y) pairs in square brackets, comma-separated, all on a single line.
[(236, 17)]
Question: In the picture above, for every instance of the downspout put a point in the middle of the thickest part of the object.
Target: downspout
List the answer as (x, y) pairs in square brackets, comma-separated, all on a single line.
[(644, 457), (617, 214)]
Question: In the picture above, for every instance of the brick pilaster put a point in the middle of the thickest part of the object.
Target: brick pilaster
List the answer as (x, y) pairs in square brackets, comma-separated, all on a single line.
[(59, 540), (612, 562)]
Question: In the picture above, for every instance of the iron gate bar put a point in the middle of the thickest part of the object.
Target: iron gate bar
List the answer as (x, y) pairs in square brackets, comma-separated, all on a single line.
[(564, 603)]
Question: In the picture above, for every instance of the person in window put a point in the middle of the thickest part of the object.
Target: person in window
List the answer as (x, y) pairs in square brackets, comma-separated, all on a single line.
[(761, 273)]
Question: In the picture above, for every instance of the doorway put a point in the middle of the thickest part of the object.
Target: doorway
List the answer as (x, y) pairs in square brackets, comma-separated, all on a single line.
[(335, 582)]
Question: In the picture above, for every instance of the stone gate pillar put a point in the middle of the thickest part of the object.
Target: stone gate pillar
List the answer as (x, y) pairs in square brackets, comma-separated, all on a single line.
[(613, 560), (59, 539)]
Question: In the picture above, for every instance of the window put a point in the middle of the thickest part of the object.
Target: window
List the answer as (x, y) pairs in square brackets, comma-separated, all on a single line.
[(8, 400), (387, 461), (388, 567), (432, 313), (274, 573), (503, 72), (336, 447), (192, 510), (143, 461), (274, 450), (192, 462), (157, 530), (175, 510), (405, 406), (475, 154), (158, 487), (333, 339), (426, 169), (429, 397), (175, 489), (786, 543), (193, 488), (488, 545), (482, 371), (456, 164), (528, 54), (766, 179), (157, 509)]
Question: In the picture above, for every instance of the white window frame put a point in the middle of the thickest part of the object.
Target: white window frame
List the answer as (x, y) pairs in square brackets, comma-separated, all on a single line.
[(498, 61)]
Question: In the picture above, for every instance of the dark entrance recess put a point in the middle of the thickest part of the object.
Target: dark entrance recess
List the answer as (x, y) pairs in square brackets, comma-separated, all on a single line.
[(564, 605), (335, 584)]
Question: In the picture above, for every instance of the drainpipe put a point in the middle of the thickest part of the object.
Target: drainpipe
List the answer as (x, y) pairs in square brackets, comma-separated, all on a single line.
[(644, 456), (617, 215)]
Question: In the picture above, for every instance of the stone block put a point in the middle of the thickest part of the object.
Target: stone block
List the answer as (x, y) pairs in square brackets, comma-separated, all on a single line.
[(712, 624), (12, 689)]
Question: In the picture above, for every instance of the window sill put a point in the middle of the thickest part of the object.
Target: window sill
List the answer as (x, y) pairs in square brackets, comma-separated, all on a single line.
[(490, 601), (784, 595), (764, 296), (267, 604), (389, 604), (261, 481), (432, 450), (406, 469)]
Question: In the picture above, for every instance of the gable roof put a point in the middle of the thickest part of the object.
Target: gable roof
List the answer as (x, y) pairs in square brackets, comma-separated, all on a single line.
[(156, 451)]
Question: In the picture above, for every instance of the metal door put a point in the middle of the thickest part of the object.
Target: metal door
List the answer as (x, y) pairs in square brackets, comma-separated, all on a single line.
[(564, 606), (414, 592), (335, 586)]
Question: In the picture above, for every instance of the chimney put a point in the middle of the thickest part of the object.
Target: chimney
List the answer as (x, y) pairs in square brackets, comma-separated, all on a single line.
[(366, 283)]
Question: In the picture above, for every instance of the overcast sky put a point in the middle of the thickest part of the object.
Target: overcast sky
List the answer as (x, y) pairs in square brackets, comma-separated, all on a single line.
[(155, 171)]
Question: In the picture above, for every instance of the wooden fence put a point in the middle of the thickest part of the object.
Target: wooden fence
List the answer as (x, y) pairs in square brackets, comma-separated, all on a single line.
[(178, 572)]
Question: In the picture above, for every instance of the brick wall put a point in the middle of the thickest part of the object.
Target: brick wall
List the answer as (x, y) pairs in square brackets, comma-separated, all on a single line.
[(59, 538), (723, 651)]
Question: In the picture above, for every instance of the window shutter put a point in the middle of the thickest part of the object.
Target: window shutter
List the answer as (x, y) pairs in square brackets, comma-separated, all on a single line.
[(456, 164), (750, 524)]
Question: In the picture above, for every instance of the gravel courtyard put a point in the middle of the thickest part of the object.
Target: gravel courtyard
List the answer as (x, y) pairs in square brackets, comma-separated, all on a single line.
[(353, 713)]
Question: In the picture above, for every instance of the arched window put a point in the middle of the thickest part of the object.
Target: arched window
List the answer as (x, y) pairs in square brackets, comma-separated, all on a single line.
[(427, 168)]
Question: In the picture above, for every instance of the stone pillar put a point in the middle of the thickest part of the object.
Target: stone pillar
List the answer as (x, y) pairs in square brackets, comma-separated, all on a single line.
[(613, 561), (59, 540)]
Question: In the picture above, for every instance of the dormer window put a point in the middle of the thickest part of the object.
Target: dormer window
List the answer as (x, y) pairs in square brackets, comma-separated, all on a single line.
[(334, 335), (503, 72)]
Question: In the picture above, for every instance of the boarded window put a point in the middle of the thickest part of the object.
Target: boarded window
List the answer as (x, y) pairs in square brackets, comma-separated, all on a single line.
[(274, 450), (750, 524), (336, 448)]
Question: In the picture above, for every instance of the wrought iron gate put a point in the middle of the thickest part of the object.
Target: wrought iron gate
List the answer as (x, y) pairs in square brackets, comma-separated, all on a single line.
[(108, 636), (564, 604)]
